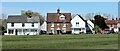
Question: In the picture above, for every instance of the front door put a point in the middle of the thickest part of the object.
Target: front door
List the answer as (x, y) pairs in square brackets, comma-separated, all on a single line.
[(16, 31), (58, 32)]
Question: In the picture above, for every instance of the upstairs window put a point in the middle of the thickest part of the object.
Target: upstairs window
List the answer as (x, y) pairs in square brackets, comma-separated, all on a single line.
[(52, 24), (23, 24), (64, 25), (62, 17), (32, 24), (12, 24), (77, 23)]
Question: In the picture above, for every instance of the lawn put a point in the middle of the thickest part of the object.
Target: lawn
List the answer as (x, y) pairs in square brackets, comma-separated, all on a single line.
[(82, 41)]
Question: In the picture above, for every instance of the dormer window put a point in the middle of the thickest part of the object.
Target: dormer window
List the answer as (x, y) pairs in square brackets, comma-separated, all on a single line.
[(30, 16), (32, 24), (12, 24), (23, 24), (62, 17)]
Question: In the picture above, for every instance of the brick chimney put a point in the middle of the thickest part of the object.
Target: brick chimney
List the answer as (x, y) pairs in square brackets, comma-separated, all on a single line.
[(58, 10)]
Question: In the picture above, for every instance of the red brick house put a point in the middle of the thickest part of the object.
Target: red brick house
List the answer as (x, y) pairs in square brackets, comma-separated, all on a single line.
[(58, 23), (112, 24)]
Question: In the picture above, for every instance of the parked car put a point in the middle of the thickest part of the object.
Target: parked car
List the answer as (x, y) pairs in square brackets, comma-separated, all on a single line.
[(105, 31)]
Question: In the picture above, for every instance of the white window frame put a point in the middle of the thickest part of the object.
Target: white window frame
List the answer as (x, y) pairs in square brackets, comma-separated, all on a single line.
[(63, 30), (58, 24), (77, 24), (62, 17), (52, 30), (12, 24), (64, 25), (52, 24)]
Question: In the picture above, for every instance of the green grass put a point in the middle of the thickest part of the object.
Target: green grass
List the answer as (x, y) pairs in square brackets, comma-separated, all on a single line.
[(82, 41)]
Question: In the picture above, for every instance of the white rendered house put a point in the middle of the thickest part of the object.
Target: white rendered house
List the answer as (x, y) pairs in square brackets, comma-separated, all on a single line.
[(44, 26), (19, 25), (78, 25)]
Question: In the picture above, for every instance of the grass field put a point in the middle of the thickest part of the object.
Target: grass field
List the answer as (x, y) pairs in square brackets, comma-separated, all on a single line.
[(82, 41)]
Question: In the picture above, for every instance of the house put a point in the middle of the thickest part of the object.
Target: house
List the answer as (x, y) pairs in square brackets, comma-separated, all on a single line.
[(78, 25), (112, 24), (21, 25), (44, 28), (58, 23)]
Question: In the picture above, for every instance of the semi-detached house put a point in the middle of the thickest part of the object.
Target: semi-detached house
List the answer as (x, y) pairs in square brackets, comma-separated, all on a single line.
[(21, 25)]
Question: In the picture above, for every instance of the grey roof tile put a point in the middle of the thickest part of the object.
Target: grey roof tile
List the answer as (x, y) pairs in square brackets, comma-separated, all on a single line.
[(16, 18), (19, 18)]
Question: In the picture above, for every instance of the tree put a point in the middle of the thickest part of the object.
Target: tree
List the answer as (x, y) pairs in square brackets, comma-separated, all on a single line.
[(30, 14), (2, 30), (97, 29), (100, 21)]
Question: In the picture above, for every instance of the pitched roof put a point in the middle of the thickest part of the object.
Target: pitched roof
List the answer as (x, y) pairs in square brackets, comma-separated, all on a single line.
[(111, 21), (33, 19), (82, 18), (19, 18), (54, 17), (16, 18)]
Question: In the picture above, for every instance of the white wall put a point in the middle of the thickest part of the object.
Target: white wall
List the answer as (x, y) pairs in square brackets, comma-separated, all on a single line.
[(19, 25), (27, 26), (116, 30), (44, 26), (81, 24), (77, 19)]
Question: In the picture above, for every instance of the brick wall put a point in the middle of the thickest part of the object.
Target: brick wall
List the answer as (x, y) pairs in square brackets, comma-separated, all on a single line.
[(56, 26)]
